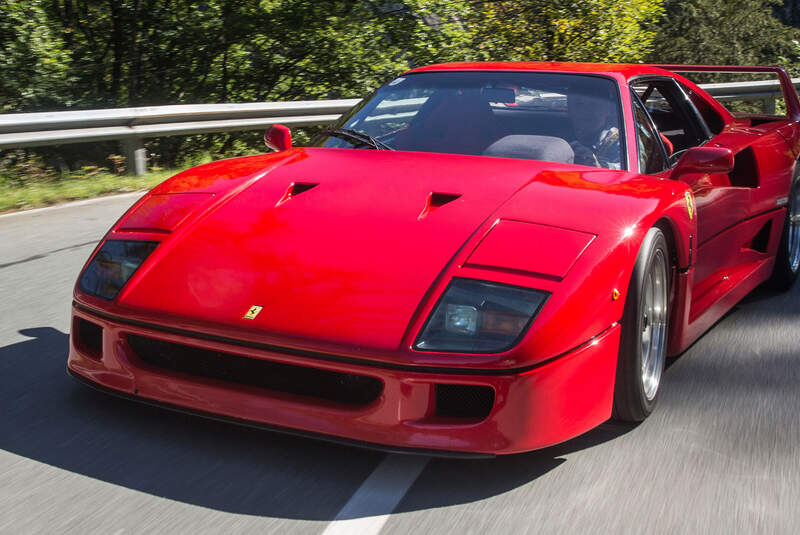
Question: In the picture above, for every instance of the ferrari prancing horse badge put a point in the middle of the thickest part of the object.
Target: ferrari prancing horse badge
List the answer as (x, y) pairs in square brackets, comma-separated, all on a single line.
[(689, 205), (252, 313)]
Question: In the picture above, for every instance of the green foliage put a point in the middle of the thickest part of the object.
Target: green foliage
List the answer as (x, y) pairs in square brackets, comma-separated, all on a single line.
[(745, 32), (561, 30), (34, 63), (155, 52), (18, 167), (78, 185)]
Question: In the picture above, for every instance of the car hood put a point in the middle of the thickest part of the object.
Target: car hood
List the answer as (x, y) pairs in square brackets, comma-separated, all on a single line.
[(346, 257)]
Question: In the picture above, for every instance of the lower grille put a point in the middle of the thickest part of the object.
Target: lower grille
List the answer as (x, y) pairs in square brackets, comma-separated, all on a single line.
[(464, 401), (279, 377)]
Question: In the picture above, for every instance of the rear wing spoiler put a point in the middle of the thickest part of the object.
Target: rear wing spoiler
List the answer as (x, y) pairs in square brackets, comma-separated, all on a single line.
[(787, 87)]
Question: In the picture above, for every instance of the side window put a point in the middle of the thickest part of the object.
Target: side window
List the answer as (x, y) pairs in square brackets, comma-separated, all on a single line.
[(673, 115), (651, 154), (712, 118)]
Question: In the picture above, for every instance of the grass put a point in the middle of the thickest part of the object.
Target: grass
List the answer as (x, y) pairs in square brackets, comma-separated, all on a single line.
[(72, 188)]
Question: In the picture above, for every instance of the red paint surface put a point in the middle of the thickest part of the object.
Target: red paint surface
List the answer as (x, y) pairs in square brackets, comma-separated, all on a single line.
[(278, 137), (163, 212), (536, 249)]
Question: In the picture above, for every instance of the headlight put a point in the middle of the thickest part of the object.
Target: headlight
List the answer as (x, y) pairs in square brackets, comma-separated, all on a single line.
[(479, 317), (112, 266)]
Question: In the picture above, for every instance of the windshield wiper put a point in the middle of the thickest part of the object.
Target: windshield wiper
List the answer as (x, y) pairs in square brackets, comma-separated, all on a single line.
[(360, 137)]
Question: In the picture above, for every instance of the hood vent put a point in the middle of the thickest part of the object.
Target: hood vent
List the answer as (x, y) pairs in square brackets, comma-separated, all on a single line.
[(295, 189), (435, 200)]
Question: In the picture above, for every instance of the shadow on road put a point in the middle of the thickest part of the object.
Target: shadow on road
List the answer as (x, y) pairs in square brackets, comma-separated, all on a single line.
[(451, 482), (48, 417), (751, 353)]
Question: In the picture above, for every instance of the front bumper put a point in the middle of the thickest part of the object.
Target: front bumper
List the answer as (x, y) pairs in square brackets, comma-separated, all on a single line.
[(532, 408)]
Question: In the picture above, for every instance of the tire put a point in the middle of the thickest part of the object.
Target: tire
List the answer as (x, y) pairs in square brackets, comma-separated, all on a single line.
[(787, 262), (645, 324)]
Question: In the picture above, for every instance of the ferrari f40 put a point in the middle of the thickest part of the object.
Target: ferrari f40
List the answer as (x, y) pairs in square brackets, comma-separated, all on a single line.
[(479, 258)]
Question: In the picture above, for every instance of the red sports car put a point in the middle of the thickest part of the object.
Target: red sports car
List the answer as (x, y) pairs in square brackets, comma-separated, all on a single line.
[(480, 258)]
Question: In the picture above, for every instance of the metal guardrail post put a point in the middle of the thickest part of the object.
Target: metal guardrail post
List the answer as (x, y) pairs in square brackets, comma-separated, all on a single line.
[(135, 156), (769, 105)]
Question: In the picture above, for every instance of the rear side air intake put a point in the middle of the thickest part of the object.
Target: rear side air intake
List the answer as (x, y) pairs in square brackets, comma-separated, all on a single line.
[(745, 170)]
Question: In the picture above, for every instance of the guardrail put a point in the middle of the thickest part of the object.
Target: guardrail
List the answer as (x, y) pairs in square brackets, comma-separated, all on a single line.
[(132, 125)]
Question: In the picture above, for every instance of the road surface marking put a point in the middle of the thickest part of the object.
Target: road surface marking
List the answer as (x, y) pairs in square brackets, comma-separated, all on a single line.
[(369, 508)]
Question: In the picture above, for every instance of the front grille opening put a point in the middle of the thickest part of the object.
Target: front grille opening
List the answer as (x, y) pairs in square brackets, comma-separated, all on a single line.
[(88, 337), (464, 401), (333, 386)]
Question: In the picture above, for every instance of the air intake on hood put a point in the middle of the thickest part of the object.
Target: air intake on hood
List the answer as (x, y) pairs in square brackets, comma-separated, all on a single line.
[(435, 200), (295, 189)]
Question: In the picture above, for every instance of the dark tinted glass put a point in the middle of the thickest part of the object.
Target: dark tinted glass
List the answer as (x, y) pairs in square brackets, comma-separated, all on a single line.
[(113, 265), (567, 118), (651, 155)]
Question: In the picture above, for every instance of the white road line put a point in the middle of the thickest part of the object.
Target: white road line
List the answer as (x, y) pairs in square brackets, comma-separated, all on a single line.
[(73, 204), (369, 508)]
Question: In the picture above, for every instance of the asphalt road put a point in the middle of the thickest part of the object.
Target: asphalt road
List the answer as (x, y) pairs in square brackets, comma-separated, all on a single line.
[(719, 455)]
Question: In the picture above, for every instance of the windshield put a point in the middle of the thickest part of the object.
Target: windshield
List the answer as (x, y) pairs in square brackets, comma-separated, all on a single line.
[(567, 118)]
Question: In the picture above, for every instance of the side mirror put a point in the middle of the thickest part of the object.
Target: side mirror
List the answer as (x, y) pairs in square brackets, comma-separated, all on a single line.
[(704, 160), (278, 138)]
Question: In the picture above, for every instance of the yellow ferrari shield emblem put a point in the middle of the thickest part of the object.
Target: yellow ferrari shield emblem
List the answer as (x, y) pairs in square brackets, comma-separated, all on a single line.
[(689, 205), (252, 313)]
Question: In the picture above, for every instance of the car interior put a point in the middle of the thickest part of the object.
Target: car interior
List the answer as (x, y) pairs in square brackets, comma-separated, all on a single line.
[(504, 129), (677, 122)]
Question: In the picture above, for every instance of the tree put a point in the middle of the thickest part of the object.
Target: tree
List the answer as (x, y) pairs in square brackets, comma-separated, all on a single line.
[(34, 64), (565, 30), (150, 52), (727, 33)]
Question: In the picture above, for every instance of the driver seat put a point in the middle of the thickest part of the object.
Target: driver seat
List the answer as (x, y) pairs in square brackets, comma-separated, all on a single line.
[(451, 121)]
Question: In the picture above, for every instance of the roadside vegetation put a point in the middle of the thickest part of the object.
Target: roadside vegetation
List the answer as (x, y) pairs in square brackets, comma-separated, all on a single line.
[(28, 181), (72, 187), (87, 54)]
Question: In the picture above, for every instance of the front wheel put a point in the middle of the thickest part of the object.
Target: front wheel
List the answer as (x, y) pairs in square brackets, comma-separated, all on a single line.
[(643, 344)]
